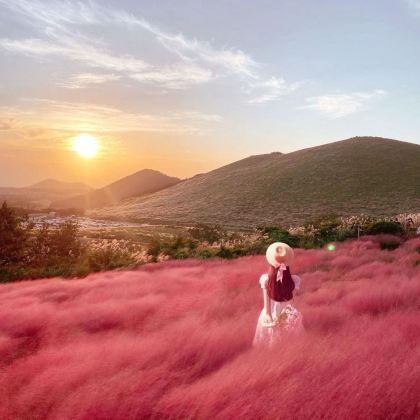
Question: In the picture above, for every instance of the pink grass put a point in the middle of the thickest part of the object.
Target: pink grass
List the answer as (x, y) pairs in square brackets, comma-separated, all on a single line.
[(173, 340)]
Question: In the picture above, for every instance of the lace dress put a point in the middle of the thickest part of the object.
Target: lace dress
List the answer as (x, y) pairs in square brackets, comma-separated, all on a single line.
[(287, 318)]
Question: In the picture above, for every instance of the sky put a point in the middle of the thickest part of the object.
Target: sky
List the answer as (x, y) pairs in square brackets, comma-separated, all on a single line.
[(185, 87)]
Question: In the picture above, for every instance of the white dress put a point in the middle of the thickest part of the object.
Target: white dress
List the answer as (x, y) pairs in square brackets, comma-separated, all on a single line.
[(288, 319)]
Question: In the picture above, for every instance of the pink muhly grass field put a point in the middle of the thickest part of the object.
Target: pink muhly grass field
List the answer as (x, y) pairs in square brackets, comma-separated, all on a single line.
[(173, 340)]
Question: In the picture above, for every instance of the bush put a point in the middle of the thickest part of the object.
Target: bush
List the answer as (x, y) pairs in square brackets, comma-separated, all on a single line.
[(384, 226), (277, 234), (178, 246), (205, 253), (108, 259), (224, 252), (204, 233), (327, 229)]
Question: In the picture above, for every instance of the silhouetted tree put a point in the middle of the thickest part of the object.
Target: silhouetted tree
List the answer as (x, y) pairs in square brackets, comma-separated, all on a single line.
[(14, 235)]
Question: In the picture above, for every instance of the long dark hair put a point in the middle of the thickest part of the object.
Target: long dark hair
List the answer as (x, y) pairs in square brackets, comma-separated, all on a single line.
[(282, 290)]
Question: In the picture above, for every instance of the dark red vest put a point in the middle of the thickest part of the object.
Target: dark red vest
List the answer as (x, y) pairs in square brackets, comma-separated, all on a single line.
[(282, 290)]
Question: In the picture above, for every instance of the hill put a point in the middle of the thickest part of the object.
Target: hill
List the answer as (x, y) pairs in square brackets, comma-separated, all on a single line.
[(55, 185), (143, 182), (362, 174), (41, 194)]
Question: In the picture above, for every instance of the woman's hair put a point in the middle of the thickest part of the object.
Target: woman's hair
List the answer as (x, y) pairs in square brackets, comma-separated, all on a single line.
[(281, 290)]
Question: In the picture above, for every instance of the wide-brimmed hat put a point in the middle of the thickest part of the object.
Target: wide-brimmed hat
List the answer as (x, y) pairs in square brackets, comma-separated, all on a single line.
[(279, 249)]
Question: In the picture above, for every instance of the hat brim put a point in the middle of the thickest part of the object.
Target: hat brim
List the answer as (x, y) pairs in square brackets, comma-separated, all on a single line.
[(271, 254)]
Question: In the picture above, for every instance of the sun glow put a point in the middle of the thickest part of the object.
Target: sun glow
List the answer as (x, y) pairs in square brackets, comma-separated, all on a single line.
[(86, 145)]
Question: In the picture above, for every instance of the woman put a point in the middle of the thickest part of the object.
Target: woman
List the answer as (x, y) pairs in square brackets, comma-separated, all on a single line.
[(279, 317)]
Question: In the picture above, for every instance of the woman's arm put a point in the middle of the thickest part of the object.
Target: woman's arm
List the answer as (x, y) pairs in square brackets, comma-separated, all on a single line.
[(267, 300), (267, 307)]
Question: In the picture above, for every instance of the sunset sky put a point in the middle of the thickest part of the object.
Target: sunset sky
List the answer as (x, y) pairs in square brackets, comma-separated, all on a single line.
[(184, 87)]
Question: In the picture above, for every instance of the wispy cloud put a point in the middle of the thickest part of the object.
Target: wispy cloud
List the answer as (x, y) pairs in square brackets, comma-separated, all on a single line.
[(83, 80), (37, 114), (60, 27), (272, 89), (178, 76), (74, 49), (342, 104), (233, 60)]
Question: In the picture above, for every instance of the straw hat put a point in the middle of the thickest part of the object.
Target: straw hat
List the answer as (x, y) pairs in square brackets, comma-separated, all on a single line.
[(283, 252)]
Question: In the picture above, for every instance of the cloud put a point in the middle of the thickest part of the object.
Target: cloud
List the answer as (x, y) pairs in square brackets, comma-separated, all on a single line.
[(37, 114), (74, 49), (178, 76), (342, 104), (233, 60), (60, 26), (273, 89), (83, 80)]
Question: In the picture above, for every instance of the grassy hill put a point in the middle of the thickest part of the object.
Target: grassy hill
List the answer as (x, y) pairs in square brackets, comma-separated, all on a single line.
[(140, 183), (362, 174)]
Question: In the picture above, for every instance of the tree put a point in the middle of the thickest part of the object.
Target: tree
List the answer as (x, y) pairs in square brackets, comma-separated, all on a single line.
[(64, 241), (14, 235), (52, 246)]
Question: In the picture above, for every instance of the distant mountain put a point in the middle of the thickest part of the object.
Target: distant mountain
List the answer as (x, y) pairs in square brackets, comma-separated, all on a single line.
[(41, 194), (143, 182), (362, 174), (55, 185)]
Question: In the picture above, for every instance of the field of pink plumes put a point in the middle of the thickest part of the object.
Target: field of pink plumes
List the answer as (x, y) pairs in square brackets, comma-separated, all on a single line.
[(173, 340)]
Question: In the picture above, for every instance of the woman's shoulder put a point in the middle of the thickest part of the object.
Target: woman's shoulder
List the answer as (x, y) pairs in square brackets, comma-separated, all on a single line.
[(263, 280)]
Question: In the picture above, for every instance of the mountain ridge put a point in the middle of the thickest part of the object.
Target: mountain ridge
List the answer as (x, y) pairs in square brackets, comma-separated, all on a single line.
[(55, 184), (142, 182)]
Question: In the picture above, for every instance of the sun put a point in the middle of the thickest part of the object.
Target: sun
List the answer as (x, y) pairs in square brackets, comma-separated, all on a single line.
[(86, 145)]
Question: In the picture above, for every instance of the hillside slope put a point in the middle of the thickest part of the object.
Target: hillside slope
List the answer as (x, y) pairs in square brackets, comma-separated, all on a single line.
[(362, 174), (140, 183)]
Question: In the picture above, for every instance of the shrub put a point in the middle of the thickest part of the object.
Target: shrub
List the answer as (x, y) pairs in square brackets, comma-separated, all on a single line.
[(385, 226), (224, 252), (327, 229), (179, 245), (205, 233), (205, 253), (108, 259), (278, 234)]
